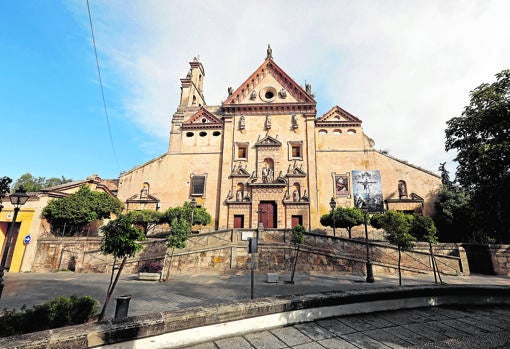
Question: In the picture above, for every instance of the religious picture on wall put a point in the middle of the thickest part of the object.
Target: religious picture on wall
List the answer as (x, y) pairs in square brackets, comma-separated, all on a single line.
[(367, 190), (342, 185)]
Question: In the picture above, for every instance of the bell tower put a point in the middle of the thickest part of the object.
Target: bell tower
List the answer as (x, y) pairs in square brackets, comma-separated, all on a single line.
[(191, 86)]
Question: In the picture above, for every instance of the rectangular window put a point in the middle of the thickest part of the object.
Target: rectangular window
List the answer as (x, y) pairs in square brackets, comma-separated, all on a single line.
[(295, 150), (198, 185), (242, 151)]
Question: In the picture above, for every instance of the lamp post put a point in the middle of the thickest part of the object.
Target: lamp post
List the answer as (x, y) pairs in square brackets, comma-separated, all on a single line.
[(370, 272), (18, 199), (332, 204), (193, 204)]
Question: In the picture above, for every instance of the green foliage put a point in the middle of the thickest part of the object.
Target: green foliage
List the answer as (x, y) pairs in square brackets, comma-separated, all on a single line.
[(59, 312), (121, 237), (424, 229), (4, 188), (146, 219), (298, 235), (31, 183), (397, 226), (179, 233), (481, 137), (345, 217), (70, 214), (200, 214)]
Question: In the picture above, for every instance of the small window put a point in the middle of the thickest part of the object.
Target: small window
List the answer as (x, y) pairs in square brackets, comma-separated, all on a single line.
[(216, 133), (241, 152), (323, 132), (337, 132), (351, 131), (189, 134), (202, 134), (197, 185), (204, 120), (296, 151)]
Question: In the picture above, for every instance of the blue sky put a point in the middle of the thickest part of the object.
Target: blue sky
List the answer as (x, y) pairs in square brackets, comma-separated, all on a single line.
[(403, 70)]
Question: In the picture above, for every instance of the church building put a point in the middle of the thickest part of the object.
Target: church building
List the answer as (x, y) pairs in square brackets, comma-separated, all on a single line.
[(264, 155)]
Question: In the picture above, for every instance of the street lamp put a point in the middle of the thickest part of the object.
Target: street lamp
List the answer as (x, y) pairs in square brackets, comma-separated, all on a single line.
[(332, 204), (193, 204), (370, 272), (18, 199)]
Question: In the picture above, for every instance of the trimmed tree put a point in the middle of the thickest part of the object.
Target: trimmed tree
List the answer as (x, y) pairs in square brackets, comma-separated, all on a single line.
[(4, 189), (147, 220), (177, 238), (298, 237), (397, 226), (345, 217), (423, 229), (72, 213), (120, 240)]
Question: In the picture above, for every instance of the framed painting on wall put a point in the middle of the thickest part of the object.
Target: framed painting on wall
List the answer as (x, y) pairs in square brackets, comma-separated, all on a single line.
[(342, 185), (367, 189)]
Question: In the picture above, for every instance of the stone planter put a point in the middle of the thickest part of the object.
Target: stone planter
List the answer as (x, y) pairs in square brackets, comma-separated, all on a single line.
[(149, 276)]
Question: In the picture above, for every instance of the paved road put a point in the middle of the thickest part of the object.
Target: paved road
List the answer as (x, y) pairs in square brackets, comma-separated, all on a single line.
[(445, 327), (184, 291)]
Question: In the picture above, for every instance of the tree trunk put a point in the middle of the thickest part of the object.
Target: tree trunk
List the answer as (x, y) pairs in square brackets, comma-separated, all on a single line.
[(349, 231), (399, 271), (111, 287), (294, 267), (433, 262), (169, 265)]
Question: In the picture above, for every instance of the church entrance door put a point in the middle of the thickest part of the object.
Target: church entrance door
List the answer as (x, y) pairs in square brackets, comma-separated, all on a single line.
[(267, 213)]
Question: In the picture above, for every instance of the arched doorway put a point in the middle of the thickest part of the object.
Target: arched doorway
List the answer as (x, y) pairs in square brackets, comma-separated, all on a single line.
[(267, 214)]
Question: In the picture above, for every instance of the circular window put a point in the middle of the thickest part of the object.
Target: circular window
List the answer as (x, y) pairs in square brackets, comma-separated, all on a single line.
[(268, 94), (202, 134), (189, 134), (204, 120), (216, 133)]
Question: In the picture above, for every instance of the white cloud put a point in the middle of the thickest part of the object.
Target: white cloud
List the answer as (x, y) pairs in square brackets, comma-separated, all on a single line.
[(403, 67)]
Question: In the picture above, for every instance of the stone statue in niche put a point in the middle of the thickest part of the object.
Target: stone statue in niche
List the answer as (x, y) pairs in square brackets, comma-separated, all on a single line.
[(268, 122), (402, 189), (283, 93), (270, 175), (295, 195), (253, 95), (264, 174), (294, 121), (239, 195), (242, 123)]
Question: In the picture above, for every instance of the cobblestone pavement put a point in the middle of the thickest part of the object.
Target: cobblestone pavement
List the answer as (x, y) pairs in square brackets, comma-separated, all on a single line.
[(441, 327), (184, 291)]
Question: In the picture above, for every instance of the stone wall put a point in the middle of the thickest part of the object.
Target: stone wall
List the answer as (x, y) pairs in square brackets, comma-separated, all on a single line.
[(226, 251), (489, 259)]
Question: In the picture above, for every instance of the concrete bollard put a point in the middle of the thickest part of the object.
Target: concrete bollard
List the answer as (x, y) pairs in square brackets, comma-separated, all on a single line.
[(122, 307)]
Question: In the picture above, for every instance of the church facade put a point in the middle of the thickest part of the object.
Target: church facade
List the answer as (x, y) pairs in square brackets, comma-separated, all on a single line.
[(265, 156)]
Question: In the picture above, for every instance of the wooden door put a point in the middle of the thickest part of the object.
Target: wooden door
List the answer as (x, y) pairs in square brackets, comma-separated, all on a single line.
[(238, 221), (295, 220), (267, 214)]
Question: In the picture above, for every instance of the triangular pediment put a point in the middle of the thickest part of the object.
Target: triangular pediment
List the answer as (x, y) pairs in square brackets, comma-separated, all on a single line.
[(268, 141), (202, 118), (337, 116), (269, 84)]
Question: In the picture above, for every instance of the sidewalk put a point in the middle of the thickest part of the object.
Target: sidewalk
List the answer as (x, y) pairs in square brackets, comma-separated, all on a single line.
[(184, 291)]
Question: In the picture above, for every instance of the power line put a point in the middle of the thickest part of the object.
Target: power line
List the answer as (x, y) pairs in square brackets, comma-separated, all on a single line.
[(102, 90)]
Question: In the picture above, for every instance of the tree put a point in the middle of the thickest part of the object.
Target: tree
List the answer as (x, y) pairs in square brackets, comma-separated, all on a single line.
[(424, 229), (481, 137), (345, 217), (120, 239), (298, 237), (397, 226), (72, 213), (31, 183), (200, 214), (146, 219), (179, 234), (4, 189)]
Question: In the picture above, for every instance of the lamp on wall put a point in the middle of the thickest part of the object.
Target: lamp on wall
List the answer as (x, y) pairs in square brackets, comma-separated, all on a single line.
[(332, 204), (18, 199)]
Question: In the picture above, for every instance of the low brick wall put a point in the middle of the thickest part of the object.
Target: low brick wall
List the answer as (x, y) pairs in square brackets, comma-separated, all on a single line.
[(226, 251), (172, 327)]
